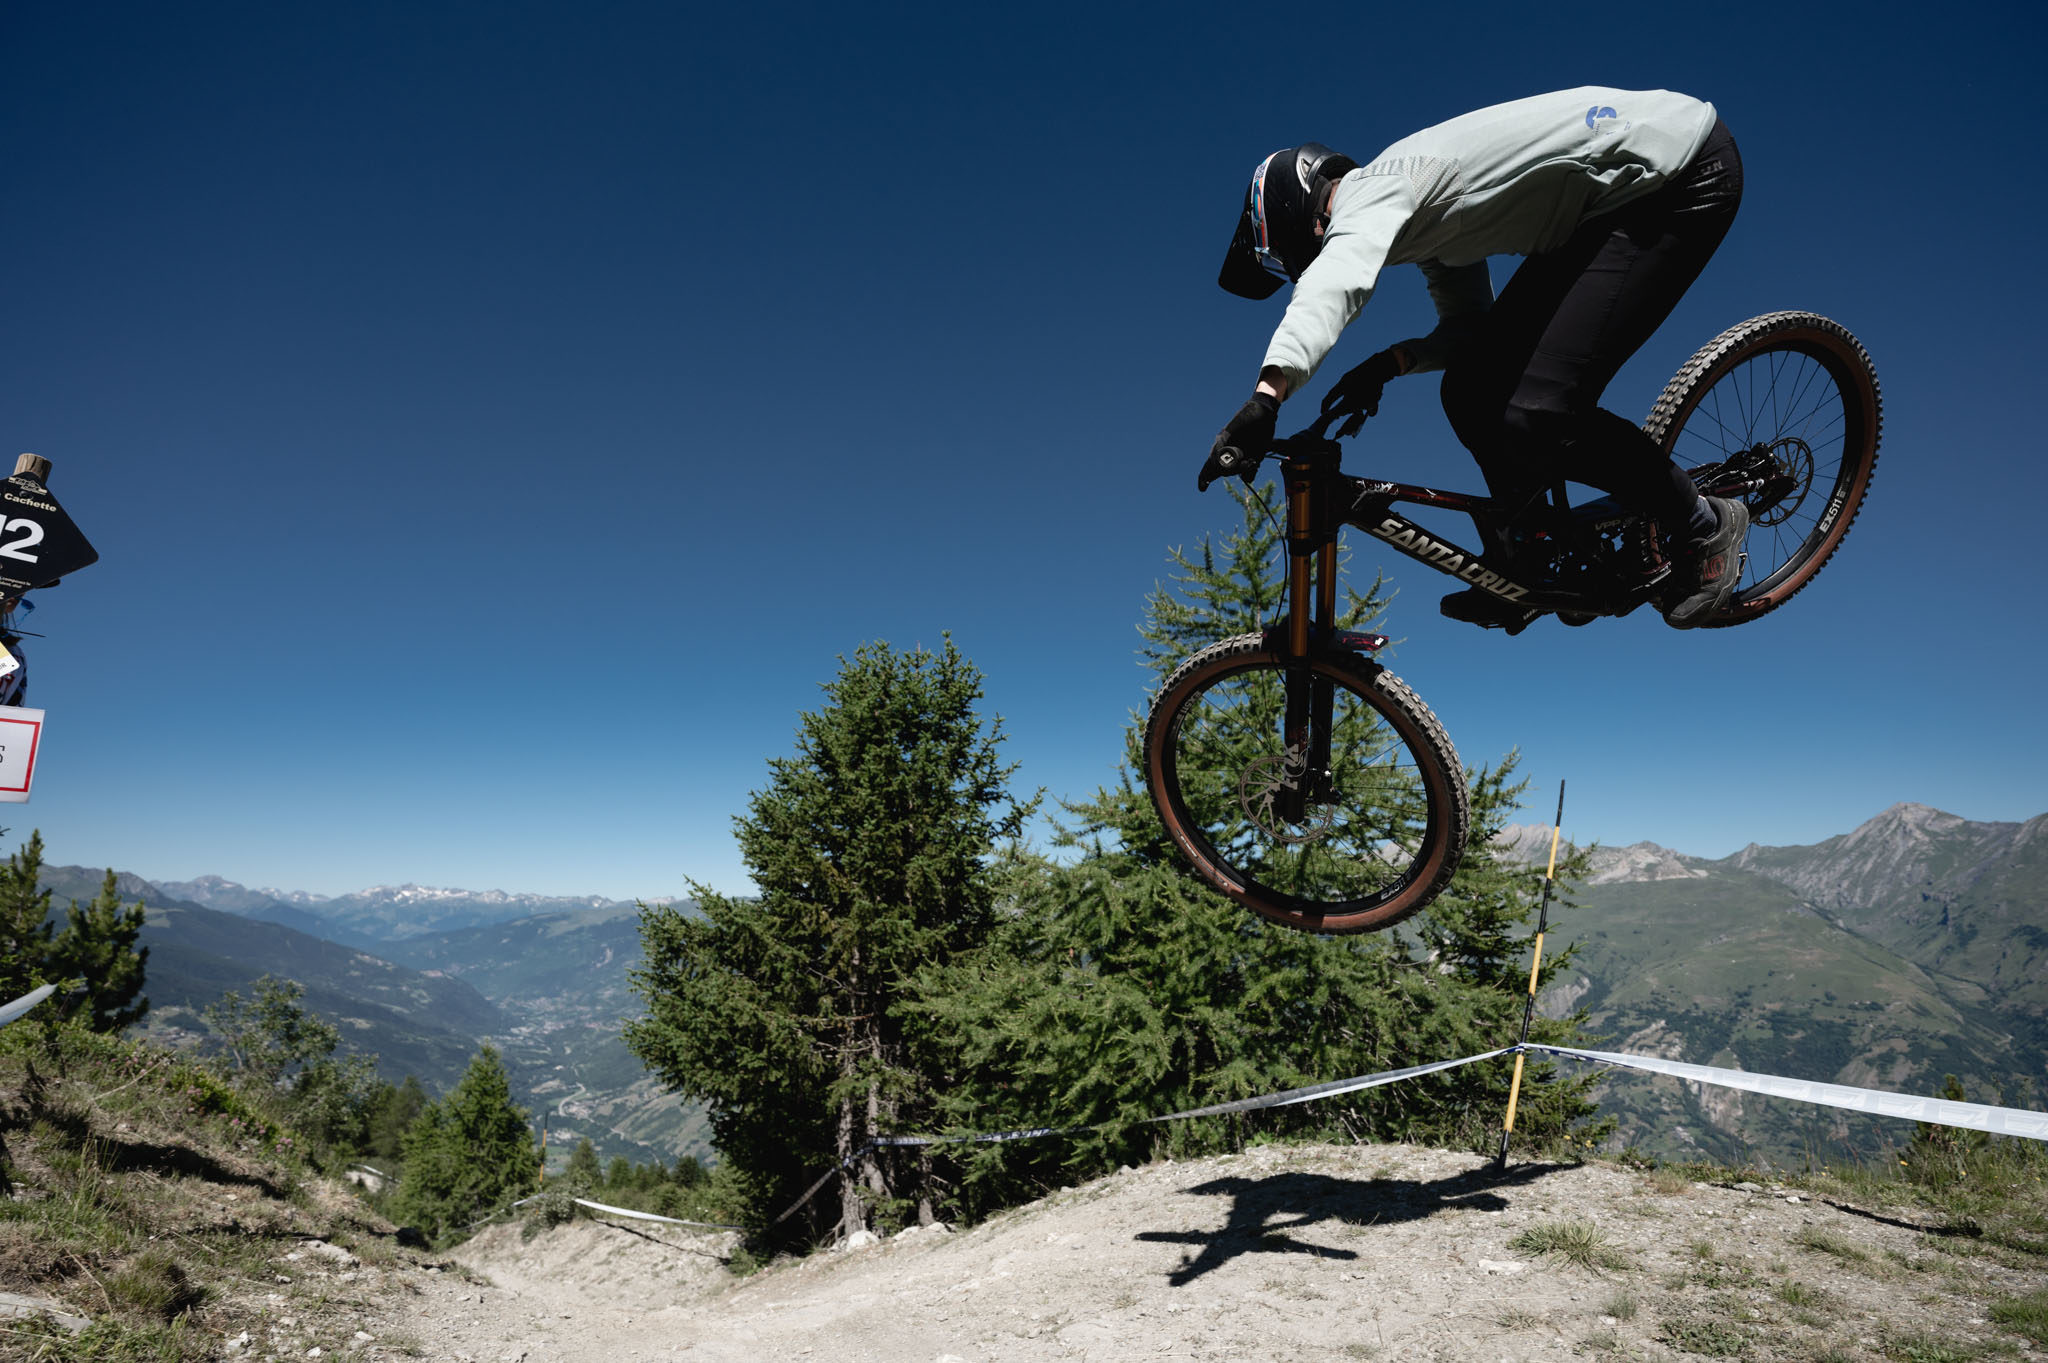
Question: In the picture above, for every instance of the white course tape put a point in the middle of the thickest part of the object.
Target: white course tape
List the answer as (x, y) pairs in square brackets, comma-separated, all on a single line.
[(1285, 1098), (986, 1137), (649, 1216), (627, 1211), (24, 1003), (2003, 1121), (1329, 1090)]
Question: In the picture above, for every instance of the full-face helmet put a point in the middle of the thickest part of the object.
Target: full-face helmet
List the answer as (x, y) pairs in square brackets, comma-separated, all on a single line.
[(1284, 206)]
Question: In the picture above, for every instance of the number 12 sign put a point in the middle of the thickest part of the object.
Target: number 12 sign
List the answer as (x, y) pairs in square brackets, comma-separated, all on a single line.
[(21, 734)]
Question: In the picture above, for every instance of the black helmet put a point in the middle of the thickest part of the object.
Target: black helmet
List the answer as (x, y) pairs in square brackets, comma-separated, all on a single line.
[(1276, 234)]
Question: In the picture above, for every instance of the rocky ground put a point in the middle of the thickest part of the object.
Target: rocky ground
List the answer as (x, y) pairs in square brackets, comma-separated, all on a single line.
[(1279, 1253)]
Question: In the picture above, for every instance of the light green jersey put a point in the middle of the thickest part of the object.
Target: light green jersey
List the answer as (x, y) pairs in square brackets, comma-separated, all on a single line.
[(1513, 179)]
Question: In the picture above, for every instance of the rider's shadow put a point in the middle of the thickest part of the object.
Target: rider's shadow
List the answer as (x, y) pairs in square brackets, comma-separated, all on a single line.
[(1263, 1210)]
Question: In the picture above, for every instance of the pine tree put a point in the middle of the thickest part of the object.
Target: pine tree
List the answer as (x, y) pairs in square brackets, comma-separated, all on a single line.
[(1121, 987), (393, 1109), (97, 946), (871, 850), (583, 1170), (25, 929), (466, 1154)]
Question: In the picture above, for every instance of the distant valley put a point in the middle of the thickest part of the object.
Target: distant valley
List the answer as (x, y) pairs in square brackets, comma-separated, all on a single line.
[(541, 978), (1913, 947)]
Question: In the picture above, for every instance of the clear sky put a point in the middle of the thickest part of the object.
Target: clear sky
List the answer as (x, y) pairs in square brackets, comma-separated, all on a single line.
[(496, 420)]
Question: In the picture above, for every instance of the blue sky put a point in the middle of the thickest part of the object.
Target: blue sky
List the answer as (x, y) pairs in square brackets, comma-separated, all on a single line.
[(497, 420)]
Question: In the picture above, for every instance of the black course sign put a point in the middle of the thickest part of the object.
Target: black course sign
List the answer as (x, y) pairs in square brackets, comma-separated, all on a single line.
[(38, 542)]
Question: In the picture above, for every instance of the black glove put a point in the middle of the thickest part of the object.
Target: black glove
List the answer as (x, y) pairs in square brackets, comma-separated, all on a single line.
[(1243, 439), (1358, 392)]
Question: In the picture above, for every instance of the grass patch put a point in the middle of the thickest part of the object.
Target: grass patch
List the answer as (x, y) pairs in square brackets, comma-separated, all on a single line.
[(152, 1199), (1668, 1182), (2026, 1316), (1622, 1306), (1703, 1335), (1920, 1347), (155, 1284), (1799, 1294), (1827, 1242), (1576, 1242)]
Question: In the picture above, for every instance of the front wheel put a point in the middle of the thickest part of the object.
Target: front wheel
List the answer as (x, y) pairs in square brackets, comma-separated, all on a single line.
[(1783, 413), (1323, 795)]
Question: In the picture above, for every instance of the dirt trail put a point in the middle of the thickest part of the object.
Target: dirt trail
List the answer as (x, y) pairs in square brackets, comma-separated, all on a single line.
[(1279, 1253)]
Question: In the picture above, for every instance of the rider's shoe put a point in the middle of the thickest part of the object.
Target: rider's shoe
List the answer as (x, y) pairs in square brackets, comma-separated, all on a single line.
[(1478, 607), (1704, 571)]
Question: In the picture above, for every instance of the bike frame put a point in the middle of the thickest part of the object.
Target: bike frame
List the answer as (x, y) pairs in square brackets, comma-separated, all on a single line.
[(1322, 500)]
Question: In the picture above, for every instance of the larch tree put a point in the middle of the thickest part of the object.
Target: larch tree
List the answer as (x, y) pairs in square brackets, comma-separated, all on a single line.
[(25, 929), (97, 946), (466, 1154), (872, 848)]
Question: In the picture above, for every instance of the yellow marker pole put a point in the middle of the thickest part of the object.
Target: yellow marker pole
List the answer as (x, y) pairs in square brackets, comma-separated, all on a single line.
[(1535, 969)]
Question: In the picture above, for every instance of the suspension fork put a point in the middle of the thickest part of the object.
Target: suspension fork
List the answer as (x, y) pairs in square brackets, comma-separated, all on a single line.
[(1311, 615)]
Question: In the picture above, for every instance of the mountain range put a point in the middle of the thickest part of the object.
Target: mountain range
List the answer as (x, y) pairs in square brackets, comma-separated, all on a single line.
[(382, 913), (1890, 957), (1912, 948)]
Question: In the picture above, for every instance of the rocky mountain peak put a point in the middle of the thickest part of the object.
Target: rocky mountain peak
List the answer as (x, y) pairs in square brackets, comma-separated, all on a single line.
[(1639, 862), (1905, 821), (1907, 846), (1530, 845)]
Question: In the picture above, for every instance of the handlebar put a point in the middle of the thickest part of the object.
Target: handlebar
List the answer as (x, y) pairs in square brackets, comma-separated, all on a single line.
[(1240, 463)]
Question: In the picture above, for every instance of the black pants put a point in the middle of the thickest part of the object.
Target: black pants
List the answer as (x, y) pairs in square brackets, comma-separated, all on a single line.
[(1523, 393)]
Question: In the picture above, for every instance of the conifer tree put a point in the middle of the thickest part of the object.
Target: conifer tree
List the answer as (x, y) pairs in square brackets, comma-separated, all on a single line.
[(97, 946), (25, 928), (393, 1110), (583, 1169), (1122, 987), (466, 1154), (870, 847)]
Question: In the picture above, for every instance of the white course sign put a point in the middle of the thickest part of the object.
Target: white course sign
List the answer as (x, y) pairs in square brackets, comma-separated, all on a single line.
[(21, 735)]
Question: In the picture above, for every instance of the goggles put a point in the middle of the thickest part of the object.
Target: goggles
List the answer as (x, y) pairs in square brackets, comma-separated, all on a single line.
[(1261, 243)]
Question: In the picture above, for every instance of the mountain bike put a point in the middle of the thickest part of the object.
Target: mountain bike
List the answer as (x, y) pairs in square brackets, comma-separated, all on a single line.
[(1305, 781)]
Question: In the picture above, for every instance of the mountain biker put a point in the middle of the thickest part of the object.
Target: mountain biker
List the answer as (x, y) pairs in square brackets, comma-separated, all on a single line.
[(1617, 198)]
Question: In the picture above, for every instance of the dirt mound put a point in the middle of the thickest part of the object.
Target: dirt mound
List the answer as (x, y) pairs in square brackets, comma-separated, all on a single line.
[(1278, 1253), (635, 1266)]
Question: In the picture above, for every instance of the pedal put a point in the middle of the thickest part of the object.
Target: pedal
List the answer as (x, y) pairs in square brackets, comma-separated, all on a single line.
[(1476, 607)]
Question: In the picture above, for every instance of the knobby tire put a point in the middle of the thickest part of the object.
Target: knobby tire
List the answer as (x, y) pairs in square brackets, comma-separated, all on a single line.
[(1790, 380), (1382, 841)]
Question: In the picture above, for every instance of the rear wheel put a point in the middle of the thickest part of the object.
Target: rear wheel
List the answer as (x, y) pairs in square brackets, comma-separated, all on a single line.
[(1348, 817), (1781, 412)]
